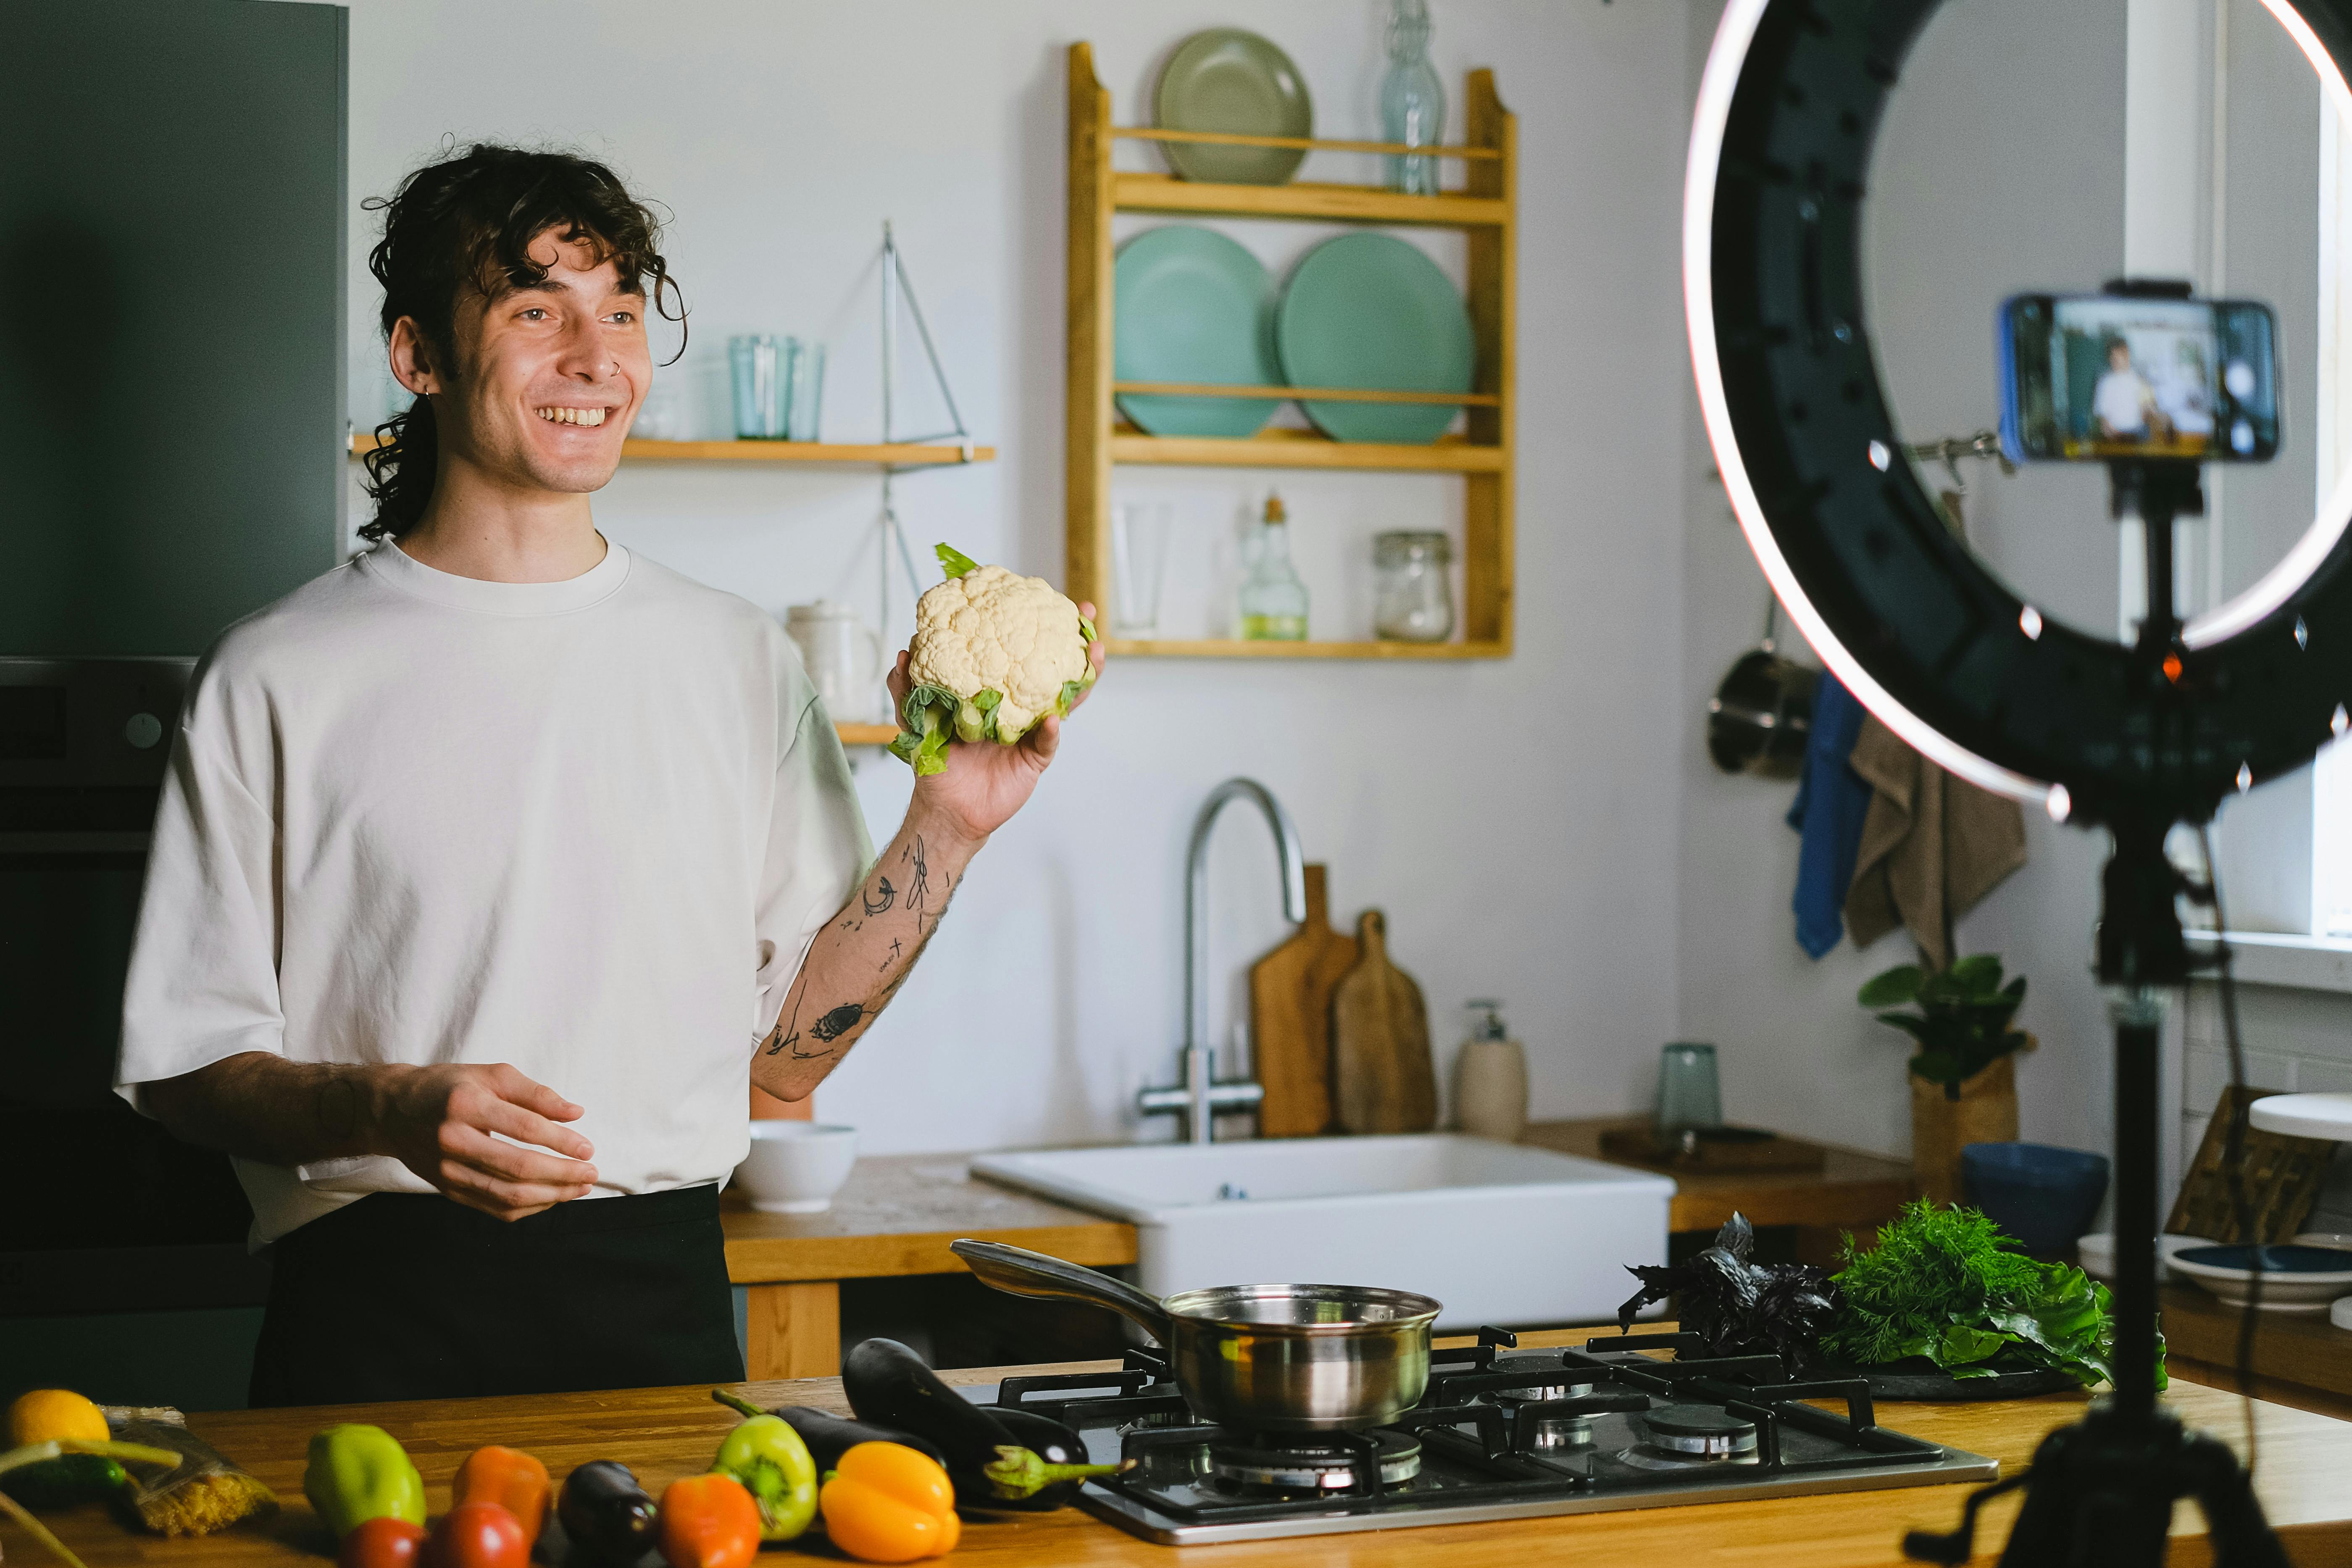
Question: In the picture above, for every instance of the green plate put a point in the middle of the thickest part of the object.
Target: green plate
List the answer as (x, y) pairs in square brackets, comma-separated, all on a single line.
[(1192, 305), (1227, 80), (1370, 311)]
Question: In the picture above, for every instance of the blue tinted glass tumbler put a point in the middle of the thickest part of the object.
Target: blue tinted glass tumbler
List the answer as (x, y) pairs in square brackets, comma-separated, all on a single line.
[(759, 369), (1690, 1098), (805, 398)]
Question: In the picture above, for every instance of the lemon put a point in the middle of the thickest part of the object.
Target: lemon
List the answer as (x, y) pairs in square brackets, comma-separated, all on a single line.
[(51, 1413)]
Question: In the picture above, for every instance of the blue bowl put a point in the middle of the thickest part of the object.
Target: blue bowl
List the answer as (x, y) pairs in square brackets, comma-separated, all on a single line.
[(2045, 1197)]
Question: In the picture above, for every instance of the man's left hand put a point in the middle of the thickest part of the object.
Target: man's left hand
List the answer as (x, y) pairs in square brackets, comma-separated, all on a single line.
[(985, 782)]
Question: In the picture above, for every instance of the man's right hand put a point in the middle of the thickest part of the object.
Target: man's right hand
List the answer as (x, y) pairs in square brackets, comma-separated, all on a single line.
[(452, 1126)]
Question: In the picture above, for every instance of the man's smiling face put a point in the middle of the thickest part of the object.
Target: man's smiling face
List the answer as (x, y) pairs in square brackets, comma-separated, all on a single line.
[(548, 377)]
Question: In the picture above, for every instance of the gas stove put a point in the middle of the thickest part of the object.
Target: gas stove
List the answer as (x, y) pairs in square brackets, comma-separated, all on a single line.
[(1495, 1435)]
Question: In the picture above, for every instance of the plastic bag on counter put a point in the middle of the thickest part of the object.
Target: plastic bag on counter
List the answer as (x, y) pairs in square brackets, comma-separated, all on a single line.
[(207, 1491)]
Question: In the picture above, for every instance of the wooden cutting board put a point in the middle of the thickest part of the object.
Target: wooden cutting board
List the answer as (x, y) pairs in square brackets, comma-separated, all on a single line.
[(1290, 1020), (1381, 1073)]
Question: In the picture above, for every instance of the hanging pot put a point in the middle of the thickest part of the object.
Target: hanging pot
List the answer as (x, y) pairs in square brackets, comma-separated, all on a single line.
[(1759, 718)]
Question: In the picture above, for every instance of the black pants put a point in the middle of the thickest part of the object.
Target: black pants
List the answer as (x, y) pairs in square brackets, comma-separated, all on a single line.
[(412, 1297)]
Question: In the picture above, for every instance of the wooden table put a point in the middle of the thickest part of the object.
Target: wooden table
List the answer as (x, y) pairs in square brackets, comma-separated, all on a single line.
[(1852, 1191), (895, 1215), (2300, 1359), (664, 1433)]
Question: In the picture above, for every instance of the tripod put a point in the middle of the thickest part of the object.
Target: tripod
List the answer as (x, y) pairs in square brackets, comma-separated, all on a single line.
[(2100, 1493)]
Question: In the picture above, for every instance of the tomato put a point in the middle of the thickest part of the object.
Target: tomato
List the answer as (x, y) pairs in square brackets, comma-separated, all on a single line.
[(385, 1543), (478, 1535)]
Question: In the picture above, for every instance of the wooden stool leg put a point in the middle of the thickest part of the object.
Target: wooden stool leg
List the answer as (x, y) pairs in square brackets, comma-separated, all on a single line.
[(794, 1331)]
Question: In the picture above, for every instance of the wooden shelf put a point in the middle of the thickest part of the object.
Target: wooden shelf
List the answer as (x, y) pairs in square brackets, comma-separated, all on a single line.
[(1304, 144), (866, 734), (897, 455), (1132, 647), (1145, 193), (1095, 441), (1284, 448)]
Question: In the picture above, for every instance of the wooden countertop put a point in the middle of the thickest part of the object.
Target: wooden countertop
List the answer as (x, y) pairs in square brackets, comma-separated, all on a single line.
[(1852, 1191), (664, 1433), (896, 1214)]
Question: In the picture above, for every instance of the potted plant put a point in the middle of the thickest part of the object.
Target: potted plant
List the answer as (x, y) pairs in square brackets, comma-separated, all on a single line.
[(1963, 1077)]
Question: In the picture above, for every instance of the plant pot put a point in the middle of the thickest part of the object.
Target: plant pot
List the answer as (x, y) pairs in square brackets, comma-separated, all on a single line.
[(1985, 1112)]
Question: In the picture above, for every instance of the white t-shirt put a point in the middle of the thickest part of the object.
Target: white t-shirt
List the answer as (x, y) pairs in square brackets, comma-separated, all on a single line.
[(586, 827), (2120, 400)]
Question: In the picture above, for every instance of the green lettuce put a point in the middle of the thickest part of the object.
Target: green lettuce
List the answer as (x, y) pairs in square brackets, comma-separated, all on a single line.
[(1942, 1283)]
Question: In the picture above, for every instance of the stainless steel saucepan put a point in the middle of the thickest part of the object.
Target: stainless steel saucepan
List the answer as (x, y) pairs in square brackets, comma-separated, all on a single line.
[(1266, 1358)]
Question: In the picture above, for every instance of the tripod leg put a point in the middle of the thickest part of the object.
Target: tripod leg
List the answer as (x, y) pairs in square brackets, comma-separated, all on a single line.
[(2233, 1515)]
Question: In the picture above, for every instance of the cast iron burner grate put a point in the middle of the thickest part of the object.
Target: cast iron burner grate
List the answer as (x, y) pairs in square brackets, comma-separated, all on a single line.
[(1495, 1436)]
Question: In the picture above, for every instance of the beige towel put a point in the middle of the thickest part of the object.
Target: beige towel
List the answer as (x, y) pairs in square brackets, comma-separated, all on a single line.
[(1931, 847)]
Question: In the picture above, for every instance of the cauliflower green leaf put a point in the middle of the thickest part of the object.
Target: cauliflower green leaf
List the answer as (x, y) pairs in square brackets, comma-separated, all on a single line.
[(954, 561)]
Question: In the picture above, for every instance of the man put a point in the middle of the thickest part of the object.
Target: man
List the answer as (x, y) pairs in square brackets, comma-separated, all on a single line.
[(487, 862)]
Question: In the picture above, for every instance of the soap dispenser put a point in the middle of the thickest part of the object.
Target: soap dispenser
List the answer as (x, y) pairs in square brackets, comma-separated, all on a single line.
[(1490, 1077)]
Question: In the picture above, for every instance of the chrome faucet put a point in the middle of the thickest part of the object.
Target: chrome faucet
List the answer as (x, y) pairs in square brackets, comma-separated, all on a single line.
[(1202, 1094)]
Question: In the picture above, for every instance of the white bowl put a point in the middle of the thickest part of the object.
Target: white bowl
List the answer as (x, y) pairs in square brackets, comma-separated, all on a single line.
[(2341, 1314), (795, 1167), (2098, 1252), (2304, 1290)]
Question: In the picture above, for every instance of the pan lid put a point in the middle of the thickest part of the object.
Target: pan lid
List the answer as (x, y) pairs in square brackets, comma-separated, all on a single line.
[(1305, 1308)]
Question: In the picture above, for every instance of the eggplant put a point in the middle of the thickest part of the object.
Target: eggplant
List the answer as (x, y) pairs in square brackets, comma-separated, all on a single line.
[(1051, 1441), (606, 1514), (890, 1385), (827, 1436)]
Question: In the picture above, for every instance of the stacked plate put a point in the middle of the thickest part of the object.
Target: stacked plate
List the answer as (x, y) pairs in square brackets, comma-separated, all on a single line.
[(1363, 311)]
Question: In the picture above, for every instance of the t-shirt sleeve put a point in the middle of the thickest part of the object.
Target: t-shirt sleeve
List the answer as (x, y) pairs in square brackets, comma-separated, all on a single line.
[(203, 982), (817, 853)]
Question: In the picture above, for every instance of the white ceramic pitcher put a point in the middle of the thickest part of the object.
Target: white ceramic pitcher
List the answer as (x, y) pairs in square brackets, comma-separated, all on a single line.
[(843, 659)]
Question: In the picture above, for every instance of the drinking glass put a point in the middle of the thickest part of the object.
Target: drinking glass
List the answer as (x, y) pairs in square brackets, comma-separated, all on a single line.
[(805, 398), (1139, 552), (1689, 1095), (760, 371)]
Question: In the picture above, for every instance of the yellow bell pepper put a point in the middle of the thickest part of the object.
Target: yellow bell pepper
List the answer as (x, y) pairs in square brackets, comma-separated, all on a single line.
[(887, 1503)]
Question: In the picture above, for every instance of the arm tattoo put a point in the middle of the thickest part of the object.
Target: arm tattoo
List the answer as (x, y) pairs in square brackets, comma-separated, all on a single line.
[(886, 895), (917, 900)]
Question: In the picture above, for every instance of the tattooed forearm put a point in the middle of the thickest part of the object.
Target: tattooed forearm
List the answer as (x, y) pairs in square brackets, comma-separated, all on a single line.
[(858, 962)]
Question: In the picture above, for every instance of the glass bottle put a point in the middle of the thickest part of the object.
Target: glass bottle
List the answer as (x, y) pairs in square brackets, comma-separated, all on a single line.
[(1412, 99), (1412, 596), (1273, 599)]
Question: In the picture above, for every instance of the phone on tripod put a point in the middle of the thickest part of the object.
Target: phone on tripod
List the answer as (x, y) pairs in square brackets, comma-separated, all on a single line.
[(2095, 377)]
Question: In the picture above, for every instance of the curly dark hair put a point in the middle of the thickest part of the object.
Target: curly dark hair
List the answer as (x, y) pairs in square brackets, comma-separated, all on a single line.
[(468, 222)]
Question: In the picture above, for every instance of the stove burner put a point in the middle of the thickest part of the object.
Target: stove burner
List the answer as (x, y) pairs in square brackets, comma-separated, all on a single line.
[(1692, 1433), (1533, 1391), (1310, 1464)]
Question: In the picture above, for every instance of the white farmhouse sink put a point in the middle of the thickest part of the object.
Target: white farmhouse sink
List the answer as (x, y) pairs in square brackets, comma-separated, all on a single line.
[(1500, 1233)]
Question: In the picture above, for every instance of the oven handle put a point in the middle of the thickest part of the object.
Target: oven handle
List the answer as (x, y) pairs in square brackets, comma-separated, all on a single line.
[(74, 843)]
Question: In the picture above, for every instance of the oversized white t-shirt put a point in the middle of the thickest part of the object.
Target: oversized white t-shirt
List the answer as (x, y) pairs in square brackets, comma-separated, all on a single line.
[(586, 827)]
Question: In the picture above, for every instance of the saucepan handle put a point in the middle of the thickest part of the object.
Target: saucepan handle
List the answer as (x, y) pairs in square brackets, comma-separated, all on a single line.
[(1018, 1272)]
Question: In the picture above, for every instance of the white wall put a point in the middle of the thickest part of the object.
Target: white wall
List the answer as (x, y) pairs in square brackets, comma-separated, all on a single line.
[(1516, 820)]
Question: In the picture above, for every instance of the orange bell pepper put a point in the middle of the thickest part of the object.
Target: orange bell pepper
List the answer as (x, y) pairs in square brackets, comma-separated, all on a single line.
[(883, 1502), (510, 1477), (708, 1521)]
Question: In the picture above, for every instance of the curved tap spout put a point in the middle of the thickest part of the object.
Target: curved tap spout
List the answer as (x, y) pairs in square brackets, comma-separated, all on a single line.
[(1196, 891)]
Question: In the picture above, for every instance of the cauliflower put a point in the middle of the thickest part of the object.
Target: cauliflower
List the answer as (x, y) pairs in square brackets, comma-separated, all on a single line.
[(993, 653)]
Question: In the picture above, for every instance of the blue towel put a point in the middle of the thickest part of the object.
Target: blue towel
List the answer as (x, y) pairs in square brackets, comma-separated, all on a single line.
[(1831, 801)]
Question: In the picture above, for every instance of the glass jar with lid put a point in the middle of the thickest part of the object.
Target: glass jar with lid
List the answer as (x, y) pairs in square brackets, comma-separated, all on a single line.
[(1413, 589)]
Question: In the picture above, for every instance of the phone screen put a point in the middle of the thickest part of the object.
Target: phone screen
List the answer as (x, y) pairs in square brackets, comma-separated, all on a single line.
[(2090, 378)]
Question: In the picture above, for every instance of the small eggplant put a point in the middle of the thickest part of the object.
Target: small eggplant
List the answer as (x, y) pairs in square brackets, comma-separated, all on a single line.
[(1051, 1441), (890, 1385), (606, 1514), (827, 1436)]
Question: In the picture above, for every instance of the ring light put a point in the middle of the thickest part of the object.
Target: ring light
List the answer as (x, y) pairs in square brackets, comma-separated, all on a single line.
[(1943, 652)]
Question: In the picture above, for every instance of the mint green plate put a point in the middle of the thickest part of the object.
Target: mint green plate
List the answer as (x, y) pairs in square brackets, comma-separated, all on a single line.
[(1370, 311), (1192, 305), (1235, 81)]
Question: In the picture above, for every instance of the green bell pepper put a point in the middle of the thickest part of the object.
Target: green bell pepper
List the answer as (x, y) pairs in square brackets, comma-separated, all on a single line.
[(67, 1481), (768, 1456), (358, 1473)]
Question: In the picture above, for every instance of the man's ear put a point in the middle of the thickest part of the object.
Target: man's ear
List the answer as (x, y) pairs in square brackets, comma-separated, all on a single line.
[(411, 364)]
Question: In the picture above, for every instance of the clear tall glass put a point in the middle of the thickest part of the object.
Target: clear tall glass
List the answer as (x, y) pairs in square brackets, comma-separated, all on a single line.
[(1139, 553), (757, 363), (804, 400), (1690, 1096)]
